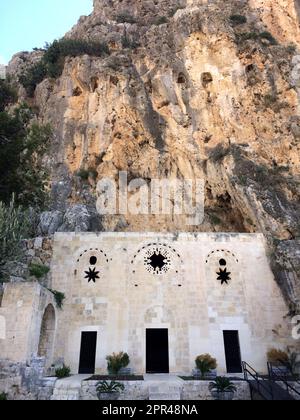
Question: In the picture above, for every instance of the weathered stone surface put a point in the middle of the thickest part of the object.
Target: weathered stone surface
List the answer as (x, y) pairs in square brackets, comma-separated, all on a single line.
[(76, 219), (50, 222), (287, 270), (25, 381)]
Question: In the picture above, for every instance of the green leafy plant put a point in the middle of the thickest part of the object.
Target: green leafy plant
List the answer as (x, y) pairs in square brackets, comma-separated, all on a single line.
[(205, 363), (8, 95), (222, 384), (33, 76), (59, 298), (15, 225), (63, 372), (3, 396), (106, 387), (215, 220), (52, 63), (22, 148), (116, 362), (269, 37), (39, 271), (238, 20)]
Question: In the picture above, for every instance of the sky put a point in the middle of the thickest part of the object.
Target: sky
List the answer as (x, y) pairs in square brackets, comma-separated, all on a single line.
[(28, 24)]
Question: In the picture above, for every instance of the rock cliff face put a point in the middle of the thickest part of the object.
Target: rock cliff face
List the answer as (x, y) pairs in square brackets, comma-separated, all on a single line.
[(190, 89)]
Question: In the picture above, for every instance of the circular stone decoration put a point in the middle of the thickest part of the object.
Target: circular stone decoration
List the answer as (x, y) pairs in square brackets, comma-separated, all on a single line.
[(157, 260)]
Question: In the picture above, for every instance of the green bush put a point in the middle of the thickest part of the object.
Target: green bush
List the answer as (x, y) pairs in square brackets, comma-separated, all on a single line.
[(3, 396), (269, 37), (39, 271), (52, 63), (15, 225), (215, 220), (222, 384), (59, 298), (33, 76), (63, 372), (205, 363), (238, 20), (256, 36), (85, 174), (116, 362), (7, 95), (22, 147)]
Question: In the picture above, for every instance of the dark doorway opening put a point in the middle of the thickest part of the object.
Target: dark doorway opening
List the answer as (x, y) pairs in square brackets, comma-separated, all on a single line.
[(157, 351), (232, 351), (88, 353)]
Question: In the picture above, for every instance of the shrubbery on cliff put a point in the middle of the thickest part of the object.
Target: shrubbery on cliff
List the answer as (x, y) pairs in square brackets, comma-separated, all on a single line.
[(23, 144), (52, 63)]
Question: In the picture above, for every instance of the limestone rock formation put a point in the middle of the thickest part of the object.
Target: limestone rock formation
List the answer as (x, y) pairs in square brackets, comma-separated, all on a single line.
[(190, 89)]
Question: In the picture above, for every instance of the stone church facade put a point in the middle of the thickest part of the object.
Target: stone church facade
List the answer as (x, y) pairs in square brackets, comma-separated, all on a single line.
[(162, 298)]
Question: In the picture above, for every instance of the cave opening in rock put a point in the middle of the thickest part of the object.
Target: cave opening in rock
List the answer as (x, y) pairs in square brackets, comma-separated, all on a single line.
[(77, 91), (206, 79), (181, 80)]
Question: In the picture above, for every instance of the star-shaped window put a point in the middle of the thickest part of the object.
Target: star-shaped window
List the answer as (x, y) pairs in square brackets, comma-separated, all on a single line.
[(223, 276), (92, 275)]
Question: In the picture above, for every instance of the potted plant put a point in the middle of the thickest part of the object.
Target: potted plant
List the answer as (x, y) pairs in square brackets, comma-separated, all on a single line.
[(278, 360), (205, 365), (109, 390), (117, 362), (222, 389)]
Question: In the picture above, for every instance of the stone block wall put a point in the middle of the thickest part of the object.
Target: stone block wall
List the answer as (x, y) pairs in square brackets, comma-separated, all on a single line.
[(36, 251), (134, 391), (127, 297), (199, 390), (25, 381), (191, 390)]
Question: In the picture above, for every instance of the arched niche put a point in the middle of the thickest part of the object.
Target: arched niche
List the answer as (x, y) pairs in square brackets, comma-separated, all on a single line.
[(47, 335)]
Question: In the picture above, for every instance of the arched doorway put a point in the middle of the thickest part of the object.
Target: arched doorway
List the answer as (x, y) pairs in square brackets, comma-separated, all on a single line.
[(47, 335)]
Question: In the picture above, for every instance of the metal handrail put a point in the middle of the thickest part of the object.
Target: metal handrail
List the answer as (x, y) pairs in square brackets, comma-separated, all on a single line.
[(260, 381), (273, 376)]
